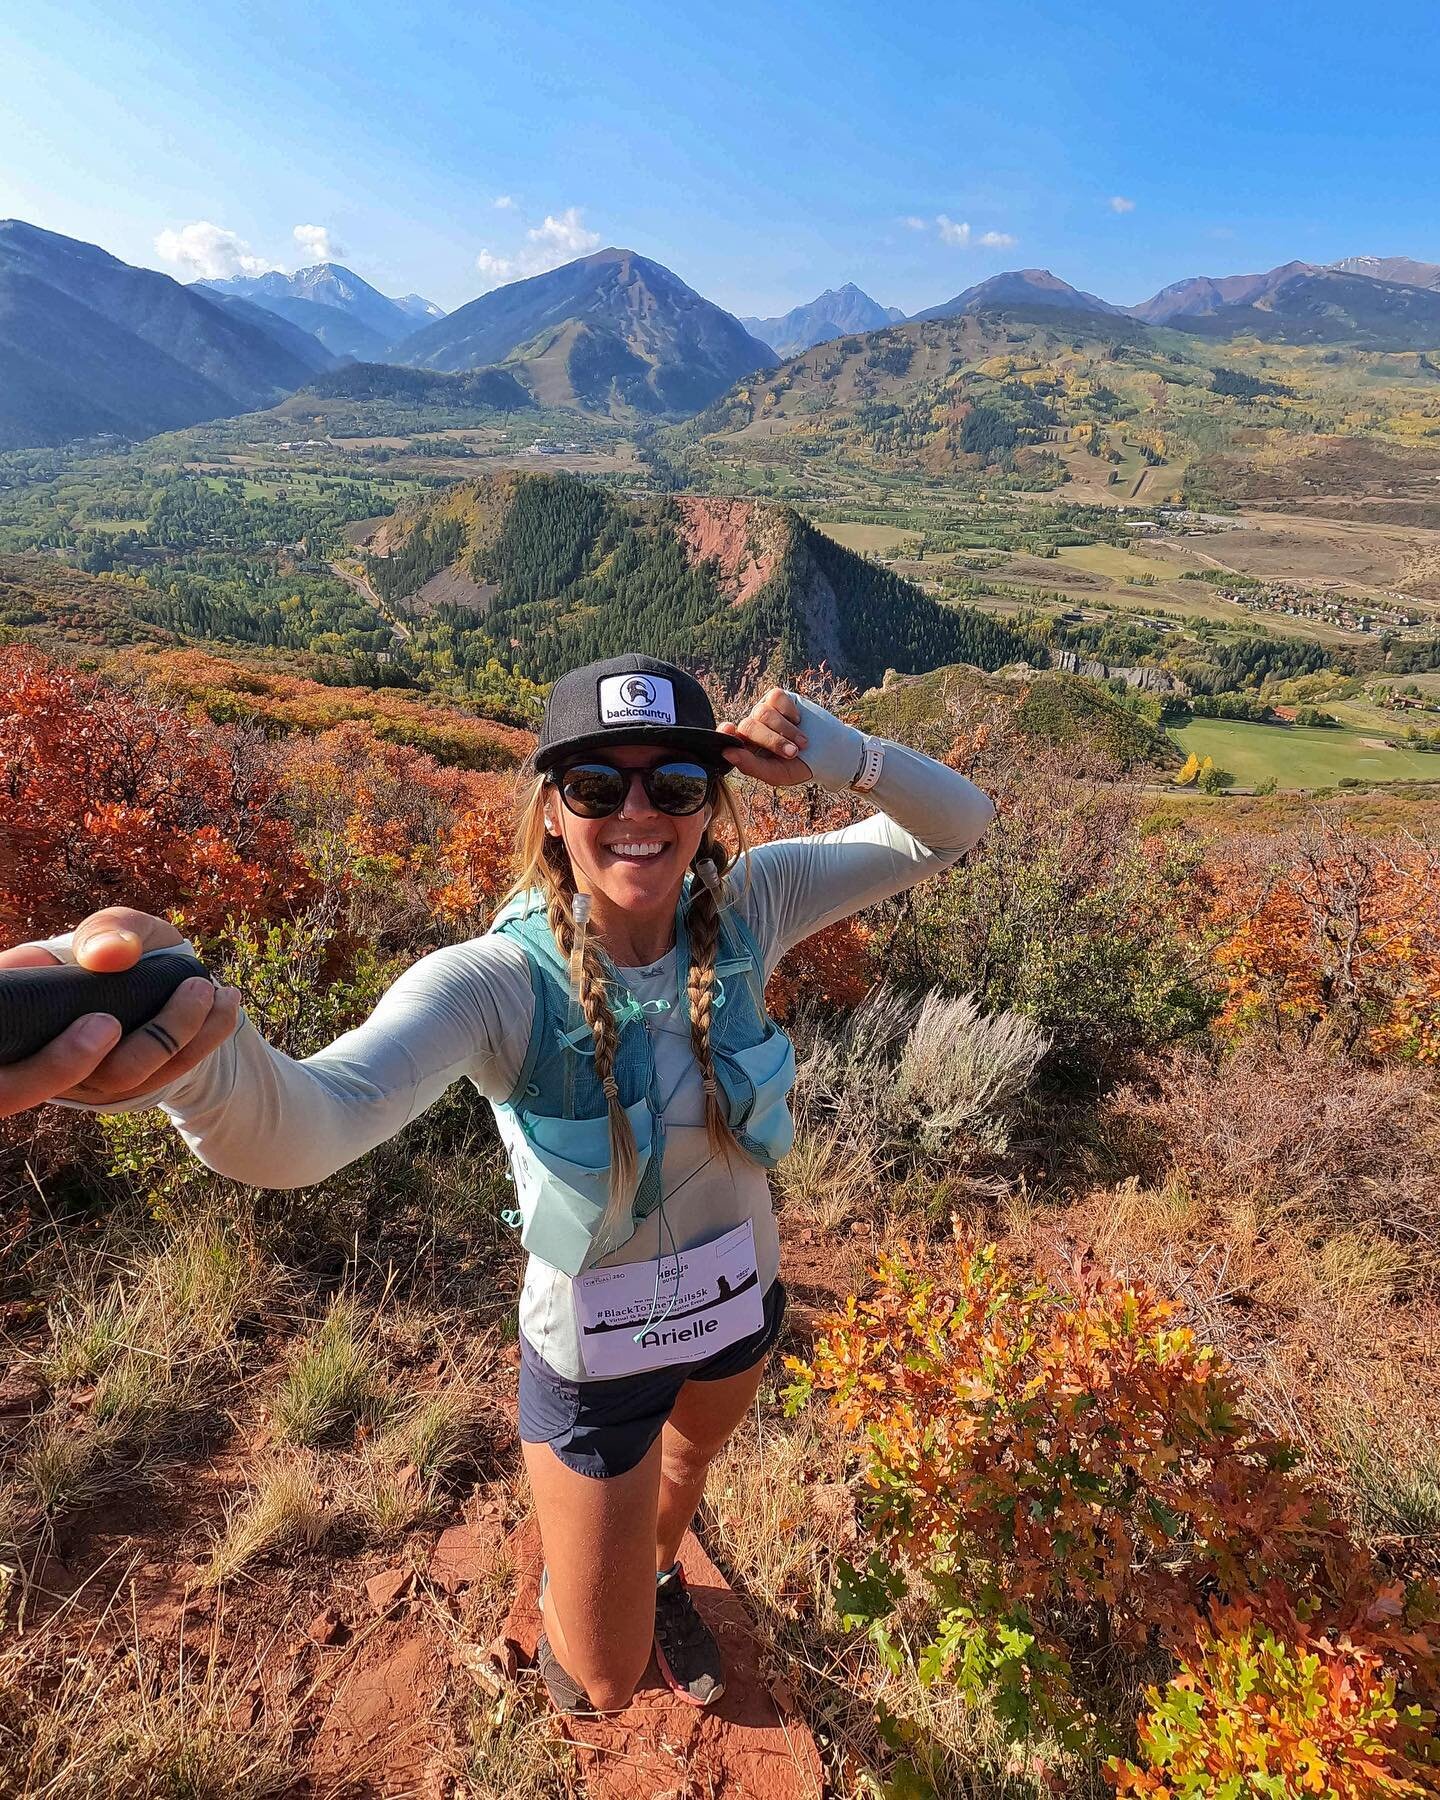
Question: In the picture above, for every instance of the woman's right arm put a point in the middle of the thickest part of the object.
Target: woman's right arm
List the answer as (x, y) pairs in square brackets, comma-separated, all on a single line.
[(270, 1120)]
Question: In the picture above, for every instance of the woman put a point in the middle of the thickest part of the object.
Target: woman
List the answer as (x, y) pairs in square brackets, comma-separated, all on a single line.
[(614, 1018)]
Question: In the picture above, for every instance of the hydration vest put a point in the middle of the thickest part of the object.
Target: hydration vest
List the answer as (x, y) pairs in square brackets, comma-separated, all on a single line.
[(555, 1121)]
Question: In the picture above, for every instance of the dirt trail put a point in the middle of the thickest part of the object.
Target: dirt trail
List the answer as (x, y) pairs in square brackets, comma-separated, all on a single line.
[(361, 584)]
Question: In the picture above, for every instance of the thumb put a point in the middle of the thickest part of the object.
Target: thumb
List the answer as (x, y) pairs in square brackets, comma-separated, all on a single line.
[(118, 936)]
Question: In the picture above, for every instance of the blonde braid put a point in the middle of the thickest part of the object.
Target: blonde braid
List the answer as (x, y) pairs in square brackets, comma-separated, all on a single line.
[(703, 925), (595, 1004)]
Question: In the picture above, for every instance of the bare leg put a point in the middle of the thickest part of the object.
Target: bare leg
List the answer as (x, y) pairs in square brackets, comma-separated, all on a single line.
[(599, 1541), (705, 1417)]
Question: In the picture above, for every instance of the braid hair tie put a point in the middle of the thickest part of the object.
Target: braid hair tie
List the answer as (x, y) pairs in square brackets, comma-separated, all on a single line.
[(709, 1086), (610, 1088)]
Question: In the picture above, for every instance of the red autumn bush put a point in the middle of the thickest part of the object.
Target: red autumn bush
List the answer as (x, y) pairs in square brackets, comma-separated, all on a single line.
[(112, 798)]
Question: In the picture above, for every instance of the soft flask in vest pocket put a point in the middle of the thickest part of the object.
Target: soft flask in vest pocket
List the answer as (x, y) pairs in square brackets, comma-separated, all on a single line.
[(562, 1181)]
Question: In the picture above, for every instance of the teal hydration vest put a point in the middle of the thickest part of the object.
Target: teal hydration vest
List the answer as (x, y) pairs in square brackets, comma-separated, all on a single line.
[(555, 1122)]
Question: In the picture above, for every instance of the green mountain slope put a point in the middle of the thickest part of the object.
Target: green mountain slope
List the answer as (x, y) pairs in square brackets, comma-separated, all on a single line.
[(610, 333), (554, 572)]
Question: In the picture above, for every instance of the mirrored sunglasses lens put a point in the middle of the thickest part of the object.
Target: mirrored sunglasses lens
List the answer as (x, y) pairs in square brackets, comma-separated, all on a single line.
[(592, 790), (678, 787)]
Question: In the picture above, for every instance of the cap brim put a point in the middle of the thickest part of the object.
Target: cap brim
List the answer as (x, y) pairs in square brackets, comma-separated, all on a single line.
[(708, 746)]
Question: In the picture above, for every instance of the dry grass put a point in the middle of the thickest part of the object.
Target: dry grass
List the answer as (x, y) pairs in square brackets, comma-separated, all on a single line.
[(282, 1506), (73, 1727), (335, 1379), (140, 1344), (401, 1471), (1296, 1128), (828, 1178), (509, 1750)]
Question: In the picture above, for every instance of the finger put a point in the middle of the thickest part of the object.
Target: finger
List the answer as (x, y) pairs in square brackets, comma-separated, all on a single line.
[(65, 1061), (135, 1062), (761, 736), (781, 722), (772, 770), (781, 701), (27, 956), (220, 1024), (118, 936)]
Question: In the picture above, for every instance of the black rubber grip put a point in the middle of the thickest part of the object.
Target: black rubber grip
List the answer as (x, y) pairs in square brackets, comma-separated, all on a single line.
[(37, 1004)]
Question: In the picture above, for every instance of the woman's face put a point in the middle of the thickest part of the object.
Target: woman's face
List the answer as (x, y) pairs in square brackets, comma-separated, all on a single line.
[(636, 859)]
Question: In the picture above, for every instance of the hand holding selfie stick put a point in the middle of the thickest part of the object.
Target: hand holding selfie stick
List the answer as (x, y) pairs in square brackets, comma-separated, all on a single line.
[(36, 1005)]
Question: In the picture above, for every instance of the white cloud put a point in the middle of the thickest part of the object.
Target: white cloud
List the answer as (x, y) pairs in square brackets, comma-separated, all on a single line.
[(1119, 204), (560, 239), (911, 223), (502, 202), (960, 235), (497, 268), (316, 242), (209, 252), (568, 235)]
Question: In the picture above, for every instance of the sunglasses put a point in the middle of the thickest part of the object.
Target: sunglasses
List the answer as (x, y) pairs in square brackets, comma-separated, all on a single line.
[(595, 790)]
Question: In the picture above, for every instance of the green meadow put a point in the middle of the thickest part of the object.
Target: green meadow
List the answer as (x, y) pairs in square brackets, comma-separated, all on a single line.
[(1301, 756)]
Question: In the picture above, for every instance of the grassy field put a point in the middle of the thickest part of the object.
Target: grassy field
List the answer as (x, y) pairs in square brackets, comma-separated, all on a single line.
[(1300, 757), (870, 540), (1115, 562)]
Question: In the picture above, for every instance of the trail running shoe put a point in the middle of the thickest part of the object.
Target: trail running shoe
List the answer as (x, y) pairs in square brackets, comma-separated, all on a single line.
[(566, 1693), (685, 1647)]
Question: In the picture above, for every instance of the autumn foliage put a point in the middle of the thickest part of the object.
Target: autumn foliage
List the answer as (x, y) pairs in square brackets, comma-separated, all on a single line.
[(1341, 933), (1075, 1479), (110, 797), (1254, 1711)]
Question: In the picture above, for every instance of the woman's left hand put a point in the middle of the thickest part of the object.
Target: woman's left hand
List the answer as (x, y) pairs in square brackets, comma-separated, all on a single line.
[(769, 742)]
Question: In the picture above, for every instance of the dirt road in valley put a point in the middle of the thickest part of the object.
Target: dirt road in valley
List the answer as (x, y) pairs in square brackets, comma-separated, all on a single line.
[(354, 578)]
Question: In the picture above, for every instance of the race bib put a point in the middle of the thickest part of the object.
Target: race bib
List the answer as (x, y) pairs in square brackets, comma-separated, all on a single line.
[(708, 1298)]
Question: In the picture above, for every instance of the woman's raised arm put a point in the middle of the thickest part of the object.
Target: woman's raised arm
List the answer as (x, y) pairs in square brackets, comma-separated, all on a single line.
[(929, 816)]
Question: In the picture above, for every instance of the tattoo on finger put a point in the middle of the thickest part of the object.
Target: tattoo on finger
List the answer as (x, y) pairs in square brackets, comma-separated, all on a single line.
[(161, 1036)]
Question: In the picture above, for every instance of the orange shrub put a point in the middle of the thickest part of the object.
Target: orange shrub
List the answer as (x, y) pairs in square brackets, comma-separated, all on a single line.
[(1073, 1475), (1283, 1715), (1343, 933), (109, 798)]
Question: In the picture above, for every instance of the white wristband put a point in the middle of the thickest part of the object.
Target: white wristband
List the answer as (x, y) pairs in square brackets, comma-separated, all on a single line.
[(871, 764)]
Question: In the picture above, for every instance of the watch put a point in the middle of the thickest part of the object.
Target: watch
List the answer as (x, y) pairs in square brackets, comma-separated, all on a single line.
[(872, 761)]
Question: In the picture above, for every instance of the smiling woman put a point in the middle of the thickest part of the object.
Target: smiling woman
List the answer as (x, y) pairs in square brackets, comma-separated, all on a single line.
[(614, 1017)]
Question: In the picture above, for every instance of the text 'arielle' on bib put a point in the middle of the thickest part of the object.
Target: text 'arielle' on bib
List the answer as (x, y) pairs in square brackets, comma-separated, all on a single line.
[(708, 1299)]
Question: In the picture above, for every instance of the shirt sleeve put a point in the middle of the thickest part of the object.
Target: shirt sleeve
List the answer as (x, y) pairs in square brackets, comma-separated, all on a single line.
[(929, 816), (258, 1116)]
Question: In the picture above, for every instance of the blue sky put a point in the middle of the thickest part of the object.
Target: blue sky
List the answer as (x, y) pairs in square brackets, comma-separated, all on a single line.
[(762, 152)]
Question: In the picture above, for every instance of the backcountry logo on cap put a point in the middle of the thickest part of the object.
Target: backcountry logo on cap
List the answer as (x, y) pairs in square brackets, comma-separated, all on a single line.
[(637, 700)]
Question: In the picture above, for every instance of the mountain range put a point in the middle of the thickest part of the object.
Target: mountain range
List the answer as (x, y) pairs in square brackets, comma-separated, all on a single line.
[(836, 313), (91, 345), (336, 305)]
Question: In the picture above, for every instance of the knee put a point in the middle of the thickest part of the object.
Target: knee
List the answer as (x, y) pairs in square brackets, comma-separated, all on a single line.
[(612, 1687), (683, 1462)]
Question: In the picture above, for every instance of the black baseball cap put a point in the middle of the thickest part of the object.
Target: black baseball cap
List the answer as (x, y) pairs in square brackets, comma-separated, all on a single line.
[(629, 700)]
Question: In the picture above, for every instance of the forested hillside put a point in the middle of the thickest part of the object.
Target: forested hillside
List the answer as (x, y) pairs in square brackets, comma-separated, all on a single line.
[(563, 572)]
